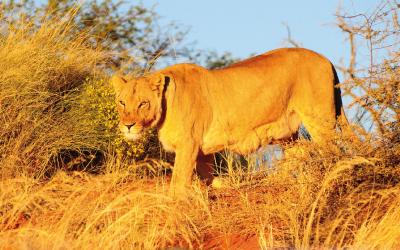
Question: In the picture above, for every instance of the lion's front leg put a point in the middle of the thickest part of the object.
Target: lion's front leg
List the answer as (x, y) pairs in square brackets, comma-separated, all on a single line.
[(185, 162)]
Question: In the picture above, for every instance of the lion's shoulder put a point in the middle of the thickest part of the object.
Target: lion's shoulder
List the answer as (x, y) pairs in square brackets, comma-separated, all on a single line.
[(187, 74)]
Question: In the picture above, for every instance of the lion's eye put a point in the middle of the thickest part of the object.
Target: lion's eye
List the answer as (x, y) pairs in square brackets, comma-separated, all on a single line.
[(143, 104), (122, 103)]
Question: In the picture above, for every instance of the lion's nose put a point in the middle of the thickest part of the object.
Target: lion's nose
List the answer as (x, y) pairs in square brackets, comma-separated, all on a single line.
[(129, 126)]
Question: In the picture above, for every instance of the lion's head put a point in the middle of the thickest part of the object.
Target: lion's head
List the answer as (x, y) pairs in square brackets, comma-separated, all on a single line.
[(139, 103)]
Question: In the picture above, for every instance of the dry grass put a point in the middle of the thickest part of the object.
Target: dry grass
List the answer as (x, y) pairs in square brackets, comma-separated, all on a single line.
[(112, 211), (40, 69), (315, 198), (344, 194)]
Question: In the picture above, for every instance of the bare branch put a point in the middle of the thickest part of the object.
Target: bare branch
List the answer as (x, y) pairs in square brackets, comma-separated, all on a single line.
[(289, 38)]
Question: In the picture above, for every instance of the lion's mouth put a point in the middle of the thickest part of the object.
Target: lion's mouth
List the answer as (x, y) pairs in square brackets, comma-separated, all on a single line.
[(132, 136), (133, 133)]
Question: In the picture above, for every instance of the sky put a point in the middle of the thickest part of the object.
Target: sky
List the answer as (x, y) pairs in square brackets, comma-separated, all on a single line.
[(256, 26), (247, 27)]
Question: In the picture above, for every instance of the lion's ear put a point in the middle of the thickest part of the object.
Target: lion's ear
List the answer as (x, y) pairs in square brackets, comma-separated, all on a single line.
[(117, 82), (160, 82)]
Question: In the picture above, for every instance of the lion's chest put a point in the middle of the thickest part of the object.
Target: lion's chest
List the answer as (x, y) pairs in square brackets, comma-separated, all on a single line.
[(168, 139)]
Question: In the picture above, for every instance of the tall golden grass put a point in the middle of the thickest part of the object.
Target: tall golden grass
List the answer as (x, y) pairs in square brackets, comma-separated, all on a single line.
[(40, 69), (317, 198), (344, 194)]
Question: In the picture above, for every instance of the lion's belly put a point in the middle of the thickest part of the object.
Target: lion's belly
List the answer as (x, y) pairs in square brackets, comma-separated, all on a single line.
[(247, 140)]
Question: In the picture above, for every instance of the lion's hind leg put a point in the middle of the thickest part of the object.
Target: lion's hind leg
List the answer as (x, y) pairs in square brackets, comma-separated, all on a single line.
[(320, 128)]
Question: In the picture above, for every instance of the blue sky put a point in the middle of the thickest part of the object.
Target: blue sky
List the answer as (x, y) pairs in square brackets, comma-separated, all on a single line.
[(255, 26)]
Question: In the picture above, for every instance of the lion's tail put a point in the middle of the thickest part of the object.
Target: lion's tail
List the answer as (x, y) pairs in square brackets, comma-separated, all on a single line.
[(340, 115)]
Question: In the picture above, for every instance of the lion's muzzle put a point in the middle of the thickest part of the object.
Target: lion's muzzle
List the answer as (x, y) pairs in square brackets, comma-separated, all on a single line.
[(132, 132)]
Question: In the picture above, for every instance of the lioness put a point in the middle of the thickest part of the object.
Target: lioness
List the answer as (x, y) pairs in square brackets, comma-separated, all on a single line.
[(255, 102)]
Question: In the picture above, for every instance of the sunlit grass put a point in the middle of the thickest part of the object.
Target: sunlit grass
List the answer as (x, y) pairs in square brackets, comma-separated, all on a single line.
[(313, 202), (40, 71)]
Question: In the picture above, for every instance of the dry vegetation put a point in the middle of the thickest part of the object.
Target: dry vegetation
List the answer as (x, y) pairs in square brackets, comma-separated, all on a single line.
[(344, 194), (37, 69)]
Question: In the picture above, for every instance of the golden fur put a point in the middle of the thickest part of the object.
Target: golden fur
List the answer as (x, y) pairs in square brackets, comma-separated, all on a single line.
[(251, 103)]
